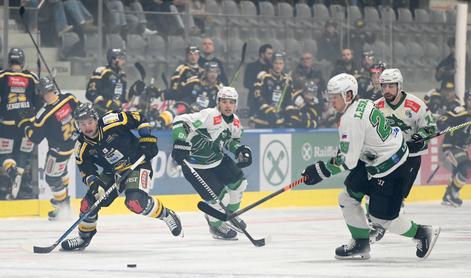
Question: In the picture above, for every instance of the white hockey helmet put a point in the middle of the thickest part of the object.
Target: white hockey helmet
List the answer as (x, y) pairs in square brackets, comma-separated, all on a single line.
[(392, 76), (228, 92), (341, 84)]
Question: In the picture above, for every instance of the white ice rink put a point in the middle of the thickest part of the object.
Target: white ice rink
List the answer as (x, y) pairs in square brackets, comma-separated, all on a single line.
[(302, 245)]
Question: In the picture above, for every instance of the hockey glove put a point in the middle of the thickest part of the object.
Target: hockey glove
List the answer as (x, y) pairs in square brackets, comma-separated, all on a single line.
[(97, 186), (415, 144), (137, 88), (243, 155), (315, 173), (181, 150), (148, 147)]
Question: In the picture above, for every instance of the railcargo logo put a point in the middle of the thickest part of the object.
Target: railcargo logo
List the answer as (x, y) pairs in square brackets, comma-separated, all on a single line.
[(276, 162)]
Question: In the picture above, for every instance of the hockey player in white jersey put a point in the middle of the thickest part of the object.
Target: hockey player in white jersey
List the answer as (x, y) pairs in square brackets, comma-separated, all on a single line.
[(412, 116), (200, 139), (367, 139)]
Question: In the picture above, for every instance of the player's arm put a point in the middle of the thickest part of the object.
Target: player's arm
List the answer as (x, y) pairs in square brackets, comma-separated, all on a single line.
[(84, 161), (352, 135), (426, 126)]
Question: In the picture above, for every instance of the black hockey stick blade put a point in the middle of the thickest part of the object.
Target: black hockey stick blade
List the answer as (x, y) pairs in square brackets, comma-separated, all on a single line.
[(204, 207), (244, 49), (22, 11), (44, 250), (141, 70)]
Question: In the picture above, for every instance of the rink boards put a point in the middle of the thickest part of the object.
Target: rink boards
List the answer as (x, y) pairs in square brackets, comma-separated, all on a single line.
[(279, 156)]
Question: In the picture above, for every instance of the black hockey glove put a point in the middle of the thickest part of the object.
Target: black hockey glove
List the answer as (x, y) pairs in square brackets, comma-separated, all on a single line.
[(137, 88), (243, 155), (181, 150), (148, 147), (96, 186), (415, 144), (315, 173)]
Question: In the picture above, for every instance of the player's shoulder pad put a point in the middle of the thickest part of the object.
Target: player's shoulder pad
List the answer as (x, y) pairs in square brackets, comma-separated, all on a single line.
[(99, 71), (236, 121), (263, 74), (33, 75), (413, 102), (379, 103), (113, 119)]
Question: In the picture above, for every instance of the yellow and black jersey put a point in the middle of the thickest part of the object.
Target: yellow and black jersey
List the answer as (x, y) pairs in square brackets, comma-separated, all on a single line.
[(460, 138), (438, 104), (106, 85), (18, 99), (197, 92), (271, 89), (55, 123), (183, 73), (115, 147), (300, 112)]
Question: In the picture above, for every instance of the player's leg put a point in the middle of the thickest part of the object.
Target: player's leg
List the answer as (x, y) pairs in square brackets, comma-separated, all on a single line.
[(9, 164), (218, 229), (385, 205), (56, 178), (137, 187), (460, 161), (23, 154), (87, 228)]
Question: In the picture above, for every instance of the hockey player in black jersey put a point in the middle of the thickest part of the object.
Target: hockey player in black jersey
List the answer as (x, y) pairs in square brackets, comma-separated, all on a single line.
[(18, 102), (54, 121), (187, 70), (271, 90), (107, 88), (108, 142), (455, 149)]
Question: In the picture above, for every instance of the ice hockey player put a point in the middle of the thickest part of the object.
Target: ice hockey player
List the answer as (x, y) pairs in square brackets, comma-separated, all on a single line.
[(199, 92), (107, 88), (411, 115), (54, 121), (370, 147), (373, 91), (444, 100), (18, 103), (186, 70), (302, 104), (271, 90), (200, 138), (455, 149), (108, 142)]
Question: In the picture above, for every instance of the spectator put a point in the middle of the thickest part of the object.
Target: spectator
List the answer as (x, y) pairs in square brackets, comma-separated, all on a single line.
[(446, 69), (252, 71), (346, 64), (357, 39), (307, 74), (329, 43), (207, 56), (127, 17)]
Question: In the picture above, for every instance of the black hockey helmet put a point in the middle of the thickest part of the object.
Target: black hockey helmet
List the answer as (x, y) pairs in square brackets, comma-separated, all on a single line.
[(16, 56), (114, 53), (85, 111), (278, 55), (46, 85), (192, 49), (211, 66), (378, 67)]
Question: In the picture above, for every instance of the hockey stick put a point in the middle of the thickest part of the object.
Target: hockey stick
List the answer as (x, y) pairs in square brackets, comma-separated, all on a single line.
[(227, 217), (141, 70), (282, 98), (450, 129), (433, 174), (256, 242), (165, 80), (43, 250), (22, 12), (242, 59)]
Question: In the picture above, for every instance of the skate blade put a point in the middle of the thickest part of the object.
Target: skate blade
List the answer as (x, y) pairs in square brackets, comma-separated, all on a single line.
[(356, 257), (226, 239), (435, 233), (450, 204)]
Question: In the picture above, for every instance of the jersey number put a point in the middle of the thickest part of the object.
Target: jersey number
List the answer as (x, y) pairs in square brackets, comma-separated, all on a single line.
[(382, 127), (67, 130)]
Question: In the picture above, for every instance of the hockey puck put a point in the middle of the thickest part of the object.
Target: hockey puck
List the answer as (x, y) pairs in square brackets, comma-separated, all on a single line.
[(132, 265)]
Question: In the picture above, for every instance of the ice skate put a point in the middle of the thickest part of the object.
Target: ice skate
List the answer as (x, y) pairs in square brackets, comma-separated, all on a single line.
[(426, 237), (224, 231), (77, 243), (357, 249), (61, 209), (452, 197), (173, 222)]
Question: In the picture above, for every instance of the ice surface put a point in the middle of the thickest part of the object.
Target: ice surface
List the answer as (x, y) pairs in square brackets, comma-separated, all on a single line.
[(303, 244)]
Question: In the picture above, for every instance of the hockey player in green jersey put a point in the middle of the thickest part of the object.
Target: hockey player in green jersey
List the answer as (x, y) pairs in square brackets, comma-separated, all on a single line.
[(200, 139), (367, 141)]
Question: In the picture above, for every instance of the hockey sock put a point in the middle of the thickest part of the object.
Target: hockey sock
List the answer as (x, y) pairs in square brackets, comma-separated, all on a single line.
[(235, 191), (224, 197), (354, 215), (400, 225)]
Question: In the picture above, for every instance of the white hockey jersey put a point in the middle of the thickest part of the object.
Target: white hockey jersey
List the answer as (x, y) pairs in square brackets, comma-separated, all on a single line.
[(209, 134), (366, 135), (411, 115)]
